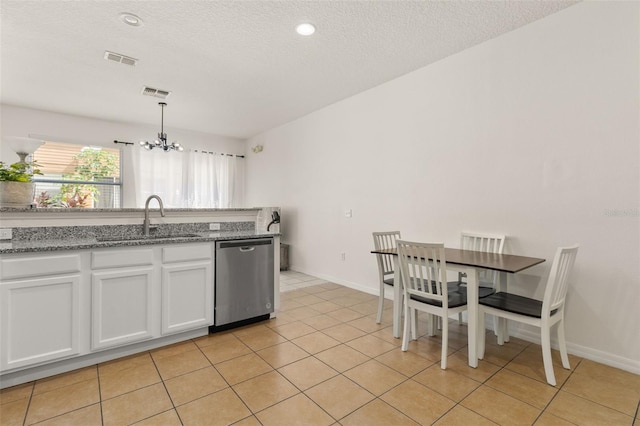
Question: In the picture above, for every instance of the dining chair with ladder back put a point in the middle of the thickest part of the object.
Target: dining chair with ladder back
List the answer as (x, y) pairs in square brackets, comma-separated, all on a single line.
[(543, 314), (488, 243), (381, 241), (423, 269)]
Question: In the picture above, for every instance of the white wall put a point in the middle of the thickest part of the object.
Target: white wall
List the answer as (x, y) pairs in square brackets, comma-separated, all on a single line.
[(534, 134), (18, 121)]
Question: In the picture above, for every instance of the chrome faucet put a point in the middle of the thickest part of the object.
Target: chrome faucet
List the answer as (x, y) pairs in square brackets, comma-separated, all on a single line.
[(146, 212)]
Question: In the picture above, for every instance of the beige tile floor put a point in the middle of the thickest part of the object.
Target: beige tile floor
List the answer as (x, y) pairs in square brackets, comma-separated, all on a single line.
[(324, 361)]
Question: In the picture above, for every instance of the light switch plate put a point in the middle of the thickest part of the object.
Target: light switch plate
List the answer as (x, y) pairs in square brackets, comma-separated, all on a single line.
[(214, 227), (5, 234)]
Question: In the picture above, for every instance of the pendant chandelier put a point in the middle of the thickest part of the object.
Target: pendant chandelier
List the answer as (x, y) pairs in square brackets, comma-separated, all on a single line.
[(161, 142)]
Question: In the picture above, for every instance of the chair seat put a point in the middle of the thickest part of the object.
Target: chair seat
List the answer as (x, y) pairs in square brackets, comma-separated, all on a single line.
[(482, 291), (388, 281), (456, 299), (515, 304)]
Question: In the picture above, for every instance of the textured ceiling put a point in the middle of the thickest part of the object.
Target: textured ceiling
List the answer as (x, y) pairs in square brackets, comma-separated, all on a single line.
[(234, 68)]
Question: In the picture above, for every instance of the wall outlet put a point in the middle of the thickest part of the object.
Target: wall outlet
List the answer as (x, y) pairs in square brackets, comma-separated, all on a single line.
[(5, 234), (343, 256), (214, 227)]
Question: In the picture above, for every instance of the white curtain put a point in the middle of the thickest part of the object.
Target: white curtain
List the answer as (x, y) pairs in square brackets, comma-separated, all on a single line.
[(226, 176), (202, 180), (188, 179), (161, 173), (129, 156)]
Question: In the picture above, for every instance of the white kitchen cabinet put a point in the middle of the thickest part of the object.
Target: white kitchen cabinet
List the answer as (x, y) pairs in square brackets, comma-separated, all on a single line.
[(123, 297), (187, 287), (39, 309)]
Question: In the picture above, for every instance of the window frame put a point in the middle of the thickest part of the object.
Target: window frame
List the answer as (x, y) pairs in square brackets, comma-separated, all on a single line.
[(120, 192)]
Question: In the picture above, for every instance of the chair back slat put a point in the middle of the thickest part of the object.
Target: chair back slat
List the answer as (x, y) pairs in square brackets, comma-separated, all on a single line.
[(488, 243), (482, 242), (381, 241), (558, 282), (423, 269)]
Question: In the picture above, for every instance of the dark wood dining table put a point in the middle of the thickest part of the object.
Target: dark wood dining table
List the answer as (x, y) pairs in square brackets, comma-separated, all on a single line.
[(471, 263)]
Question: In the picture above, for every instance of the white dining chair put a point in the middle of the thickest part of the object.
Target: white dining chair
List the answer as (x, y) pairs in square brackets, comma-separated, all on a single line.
[(424, 277), (381, 241), (543, 314), (488, 243)]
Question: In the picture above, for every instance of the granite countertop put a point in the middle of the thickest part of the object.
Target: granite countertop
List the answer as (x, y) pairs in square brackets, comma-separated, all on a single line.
[(83, 243), (119, 210)]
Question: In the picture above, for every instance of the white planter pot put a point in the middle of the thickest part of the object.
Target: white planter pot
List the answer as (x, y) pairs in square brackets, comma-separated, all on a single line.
[(16, 194)]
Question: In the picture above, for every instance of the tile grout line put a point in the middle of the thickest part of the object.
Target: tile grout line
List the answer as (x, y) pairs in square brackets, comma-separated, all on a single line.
[(100, 394), (26, 412), (165, 389), (376, 333)]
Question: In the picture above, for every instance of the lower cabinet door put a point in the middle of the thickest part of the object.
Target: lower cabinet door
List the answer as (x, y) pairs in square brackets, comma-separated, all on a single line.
[(122, 307), (187, 296), (40, 320)]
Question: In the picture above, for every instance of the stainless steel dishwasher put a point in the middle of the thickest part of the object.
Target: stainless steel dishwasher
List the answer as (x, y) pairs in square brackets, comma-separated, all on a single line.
[(244, 282)]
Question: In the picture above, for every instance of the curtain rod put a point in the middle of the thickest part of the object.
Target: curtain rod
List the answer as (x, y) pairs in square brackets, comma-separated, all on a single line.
[(195, 150), (219, 153)]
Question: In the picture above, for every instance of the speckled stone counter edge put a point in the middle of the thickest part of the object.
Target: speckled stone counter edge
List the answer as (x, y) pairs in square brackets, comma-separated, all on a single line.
[(38, 239), (126, 210)]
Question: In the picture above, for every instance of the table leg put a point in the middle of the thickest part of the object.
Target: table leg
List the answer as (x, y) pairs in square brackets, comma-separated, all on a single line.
[(472, 320), (502, 330), (397, 299)]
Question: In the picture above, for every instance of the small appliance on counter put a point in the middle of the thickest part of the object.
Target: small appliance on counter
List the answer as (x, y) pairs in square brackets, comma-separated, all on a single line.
[(268, 219)]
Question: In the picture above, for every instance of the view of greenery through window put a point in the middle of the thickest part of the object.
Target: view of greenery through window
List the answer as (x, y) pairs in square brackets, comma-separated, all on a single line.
[(77, 176)]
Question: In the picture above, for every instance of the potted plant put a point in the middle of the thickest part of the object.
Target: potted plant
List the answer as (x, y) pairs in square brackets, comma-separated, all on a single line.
[(16, 188)]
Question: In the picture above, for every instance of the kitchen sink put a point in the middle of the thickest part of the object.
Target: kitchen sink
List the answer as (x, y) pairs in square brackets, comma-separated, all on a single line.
[(145, 238)]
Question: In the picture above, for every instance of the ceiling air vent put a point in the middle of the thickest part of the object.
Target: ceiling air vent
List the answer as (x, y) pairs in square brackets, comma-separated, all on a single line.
[(116, 57), (157, 93)]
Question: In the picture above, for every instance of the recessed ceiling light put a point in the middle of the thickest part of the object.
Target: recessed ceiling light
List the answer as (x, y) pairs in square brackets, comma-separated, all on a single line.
[(131, 19), (305, 29)]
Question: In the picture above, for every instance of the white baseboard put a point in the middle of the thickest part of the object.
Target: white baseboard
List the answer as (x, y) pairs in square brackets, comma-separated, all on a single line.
[(606, 358), (350, 284)]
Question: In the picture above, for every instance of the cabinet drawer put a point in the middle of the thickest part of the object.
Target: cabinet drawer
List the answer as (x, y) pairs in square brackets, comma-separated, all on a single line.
[(20, 267), (121, 258), (186, 253)]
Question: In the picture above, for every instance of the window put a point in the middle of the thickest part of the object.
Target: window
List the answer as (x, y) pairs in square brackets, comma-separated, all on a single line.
[(77, 176)]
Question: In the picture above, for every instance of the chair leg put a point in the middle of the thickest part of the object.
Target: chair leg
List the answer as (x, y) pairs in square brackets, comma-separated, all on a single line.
[(380, 304), (562, 344), (482, 334), (501, 327), (545, 337), (445, 343), (414, 327), (433, 324), (460, 320), (498, 324), (405, 332)]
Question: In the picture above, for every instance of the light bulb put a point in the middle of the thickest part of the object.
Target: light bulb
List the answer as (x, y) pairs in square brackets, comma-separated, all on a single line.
[(305, 29)]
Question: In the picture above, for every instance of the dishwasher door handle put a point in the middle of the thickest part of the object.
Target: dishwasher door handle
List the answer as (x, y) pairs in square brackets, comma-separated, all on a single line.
[(247, 248)]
